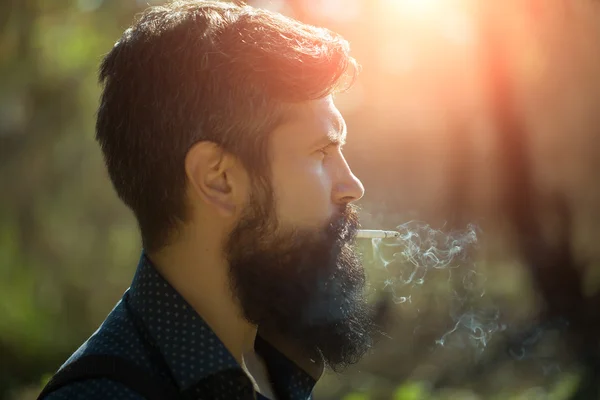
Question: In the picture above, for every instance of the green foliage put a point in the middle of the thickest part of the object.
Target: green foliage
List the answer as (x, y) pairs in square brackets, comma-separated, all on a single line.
[(410, 391), (564, 388), (67, 245)]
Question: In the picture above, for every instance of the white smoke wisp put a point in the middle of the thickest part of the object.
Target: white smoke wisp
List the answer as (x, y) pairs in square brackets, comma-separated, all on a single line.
[(474, 328), (421, 250)]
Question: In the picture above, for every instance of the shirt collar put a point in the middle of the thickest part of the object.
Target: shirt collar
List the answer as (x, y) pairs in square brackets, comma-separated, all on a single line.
[(190, 348)]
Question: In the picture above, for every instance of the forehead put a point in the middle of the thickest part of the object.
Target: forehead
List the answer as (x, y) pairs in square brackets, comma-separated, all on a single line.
[(308, 122)]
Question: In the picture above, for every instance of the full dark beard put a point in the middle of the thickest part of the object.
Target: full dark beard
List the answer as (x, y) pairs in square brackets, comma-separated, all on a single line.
[(307, 285)]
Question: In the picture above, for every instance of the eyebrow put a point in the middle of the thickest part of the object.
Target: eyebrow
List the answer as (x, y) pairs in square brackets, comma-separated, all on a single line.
[(337, 136)]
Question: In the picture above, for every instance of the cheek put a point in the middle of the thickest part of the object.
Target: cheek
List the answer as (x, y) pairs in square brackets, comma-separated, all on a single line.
[(303, 193)]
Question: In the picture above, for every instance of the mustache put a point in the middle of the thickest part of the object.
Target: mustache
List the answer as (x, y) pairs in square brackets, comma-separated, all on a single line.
[(345, 224)]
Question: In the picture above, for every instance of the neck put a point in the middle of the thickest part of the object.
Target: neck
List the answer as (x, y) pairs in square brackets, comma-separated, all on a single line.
[(201, 277)]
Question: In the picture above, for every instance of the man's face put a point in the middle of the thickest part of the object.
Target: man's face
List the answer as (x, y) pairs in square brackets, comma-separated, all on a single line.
[(292, 262)]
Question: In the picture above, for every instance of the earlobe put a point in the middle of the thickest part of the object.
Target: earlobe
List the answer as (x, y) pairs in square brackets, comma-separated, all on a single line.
[(209, 171)]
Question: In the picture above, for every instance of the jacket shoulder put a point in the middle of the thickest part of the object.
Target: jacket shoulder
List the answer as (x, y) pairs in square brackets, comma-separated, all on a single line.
[(115, 337), (94, 389)]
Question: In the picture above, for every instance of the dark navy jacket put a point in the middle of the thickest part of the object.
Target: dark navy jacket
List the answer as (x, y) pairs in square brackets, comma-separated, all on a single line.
[(185, 351)]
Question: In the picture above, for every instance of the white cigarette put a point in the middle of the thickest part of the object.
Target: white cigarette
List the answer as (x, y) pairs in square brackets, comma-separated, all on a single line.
[(376, 234)]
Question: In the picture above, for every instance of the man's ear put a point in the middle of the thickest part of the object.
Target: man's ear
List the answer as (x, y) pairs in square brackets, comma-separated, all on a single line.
[(216, 177)]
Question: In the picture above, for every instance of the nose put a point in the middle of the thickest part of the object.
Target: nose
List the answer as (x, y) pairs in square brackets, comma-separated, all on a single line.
[(348, 188)]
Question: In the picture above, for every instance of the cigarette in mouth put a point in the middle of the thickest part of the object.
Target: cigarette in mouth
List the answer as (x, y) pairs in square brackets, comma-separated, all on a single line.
[(376, 234)]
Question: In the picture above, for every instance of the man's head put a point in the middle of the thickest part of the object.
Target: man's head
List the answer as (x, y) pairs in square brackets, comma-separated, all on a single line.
[(221, 116)]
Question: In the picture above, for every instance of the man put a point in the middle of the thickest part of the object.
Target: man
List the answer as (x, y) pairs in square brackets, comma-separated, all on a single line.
[(219, 132)]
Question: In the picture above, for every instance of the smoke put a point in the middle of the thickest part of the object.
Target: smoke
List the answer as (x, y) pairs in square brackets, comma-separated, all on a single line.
[(426, 248), (422, 251), (436, 278)]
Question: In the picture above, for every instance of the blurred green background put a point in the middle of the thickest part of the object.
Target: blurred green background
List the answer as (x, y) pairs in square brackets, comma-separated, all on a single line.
[(466, 112)]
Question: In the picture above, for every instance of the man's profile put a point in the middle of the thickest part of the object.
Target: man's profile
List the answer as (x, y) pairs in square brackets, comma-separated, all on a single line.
[(219, 132)]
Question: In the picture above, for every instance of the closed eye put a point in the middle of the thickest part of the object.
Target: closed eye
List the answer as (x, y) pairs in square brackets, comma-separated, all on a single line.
[(327, 150), (324, 150)]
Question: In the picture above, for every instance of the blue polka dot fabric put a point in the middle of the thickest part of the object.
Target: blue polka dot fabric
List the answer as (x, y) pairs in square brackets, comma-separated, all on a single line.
[(184, 351)]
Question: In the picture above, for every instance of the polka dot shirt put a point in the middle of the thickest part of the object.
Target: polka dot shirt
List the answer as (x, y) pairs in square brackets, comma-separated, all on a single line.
[(184, 350)]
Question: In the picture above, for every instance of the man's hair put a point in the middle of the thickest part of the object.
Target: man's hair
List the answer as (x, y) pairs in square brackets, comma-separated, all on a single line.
[(192, 71)]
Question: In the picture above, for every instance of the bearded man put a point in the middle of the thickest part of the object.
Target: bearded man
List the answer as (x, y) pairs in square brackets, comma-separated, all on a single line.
[(219, 132)]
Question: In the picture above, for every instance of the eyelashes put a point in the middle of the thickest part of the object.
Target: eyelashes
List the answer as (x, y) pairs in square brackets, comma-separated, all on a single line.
[(324, 151), (327, 150)]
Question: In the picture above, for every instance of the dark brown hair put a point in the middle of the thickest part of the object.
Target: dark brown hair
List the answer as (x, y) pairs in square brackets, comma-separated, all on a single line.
[(193, 71)]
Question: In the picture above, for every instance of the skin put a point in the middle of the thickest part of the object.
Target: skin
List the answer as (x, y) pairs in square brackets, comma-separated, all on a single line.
[(310, 179)]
